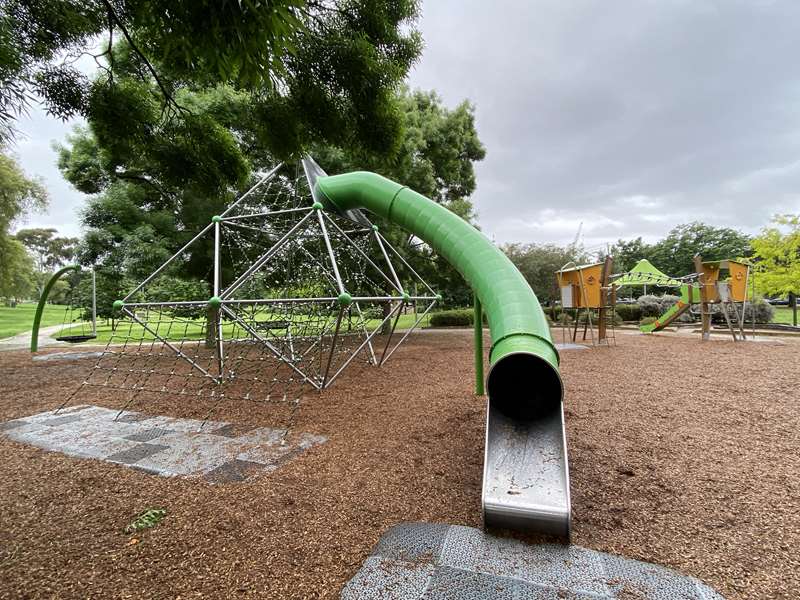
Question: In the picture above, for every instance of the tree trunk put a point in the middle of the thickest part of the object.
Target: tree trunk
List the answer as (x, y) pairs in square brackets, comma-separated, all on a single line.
[(212, 314), (793, 302), (387, 323)]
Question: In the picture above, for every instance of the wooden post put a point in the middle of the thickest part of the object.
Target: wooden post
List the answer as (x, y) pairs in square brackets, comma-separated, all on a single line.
[(705, 315)]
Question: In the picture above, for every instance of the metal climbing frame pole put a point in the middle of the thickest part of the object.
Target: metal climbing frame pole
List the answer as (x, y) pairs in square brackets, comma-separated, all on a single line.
[(478, 326)]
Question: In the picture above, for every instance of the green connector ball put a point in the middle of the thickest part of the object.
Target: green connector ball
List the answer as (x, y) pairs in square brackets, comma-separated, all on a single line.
[(406, 298), (215, 302), (375, 228), (216, 219), (317, 206), (345, 299), (118, 304), (438, 297)]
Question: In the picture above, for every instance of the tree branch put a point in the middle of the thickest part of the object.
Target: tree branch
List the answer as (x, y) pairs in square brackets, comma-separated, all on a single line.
[(167, 95)]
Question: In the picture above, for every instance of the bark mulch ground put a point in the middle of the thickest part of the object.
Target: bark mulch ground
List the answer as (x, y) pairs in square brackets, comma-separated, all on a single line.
[(682, 453)]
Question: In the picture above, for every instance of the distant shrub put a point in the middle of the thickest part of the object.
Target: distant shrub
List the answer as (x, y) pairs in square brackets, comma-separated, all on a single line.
[(629, 312), (764, 312), (649, 305), (647, 321), (452, 318)]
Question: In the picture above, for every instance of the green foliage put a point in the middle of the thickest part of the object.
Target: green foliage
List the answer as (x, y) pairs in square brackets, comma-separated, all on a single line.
[(436, 156), (762, 310), (49, 250), (627, 253), (776, 255), (538, 263), (147, 519), (629, 312), (453, 318), (675, 253), (18, 194), (17, 274), (647, 321), (317, 71)]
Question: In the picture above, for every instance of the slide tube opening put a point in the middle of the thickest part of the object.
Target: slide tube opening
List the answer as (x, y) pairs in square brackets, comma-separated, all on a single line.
[(524, 387)]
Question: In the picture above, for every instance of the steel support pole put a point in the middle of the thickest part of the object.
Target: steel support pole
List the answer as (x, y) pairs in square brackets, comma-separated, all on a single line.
[(94, 303), (478, 328)]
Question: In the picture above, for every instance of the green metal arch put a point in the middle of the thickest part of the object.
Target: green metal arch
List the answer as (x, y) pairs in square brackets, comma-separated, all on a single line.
[(37, 318)]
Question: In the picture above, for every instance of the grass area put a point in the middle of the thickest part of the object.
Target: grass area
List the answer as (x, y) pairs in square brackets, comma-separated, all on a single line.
[(20, 318), (189, 329), (783, 314)]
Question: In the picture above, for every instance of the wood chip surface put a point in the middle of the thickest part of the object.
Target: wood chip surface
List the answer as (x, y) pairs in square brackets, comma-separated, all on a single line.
[(682, 453)]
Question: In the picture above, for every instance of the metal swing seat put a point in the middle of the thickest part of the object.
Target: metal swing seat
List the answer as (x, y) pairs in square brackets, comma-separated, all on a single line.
[(76, 339)]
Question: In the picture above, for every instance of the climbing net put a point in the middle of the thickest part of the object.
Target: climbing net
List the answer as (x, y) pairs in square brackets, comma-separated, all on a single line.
[(286, 297)]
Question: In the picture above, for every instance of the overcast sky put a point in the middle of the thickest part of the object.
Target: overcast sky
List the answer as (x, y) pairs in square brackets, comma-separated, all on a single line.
[(629, 116)]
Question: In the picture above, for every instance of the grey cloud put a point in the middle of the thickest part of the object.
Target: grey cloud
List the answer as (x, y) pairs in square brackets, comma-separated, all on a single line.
[(583, 105)]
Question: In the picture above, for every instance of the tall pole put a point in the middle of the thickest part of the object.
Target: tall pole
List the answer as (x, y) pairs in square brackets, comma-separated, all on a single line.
[(94, 303), (478, 325)]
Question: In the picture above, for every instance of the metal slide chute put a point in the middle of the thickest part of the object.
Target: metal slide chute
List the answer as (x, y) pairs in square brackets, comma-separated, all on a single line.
[(525, 426)]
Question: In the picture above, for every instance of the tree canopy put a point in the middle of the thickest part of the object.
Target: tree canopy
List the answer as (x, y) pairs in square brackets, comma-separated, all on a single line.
[(776, 253), (538, 263), (436, 158), (674, 253), (18, 194), (315, 70)]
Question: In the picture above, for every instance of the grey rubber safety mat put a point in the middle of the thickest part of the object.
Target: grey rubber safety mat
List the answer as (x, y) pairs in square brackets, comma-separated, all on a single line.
[(441, 562), (218, 451)]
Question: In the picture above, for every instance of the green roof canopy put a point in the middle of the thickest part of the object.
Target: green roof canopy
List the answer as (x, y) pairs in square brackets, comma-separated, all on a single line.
[(644, 273)]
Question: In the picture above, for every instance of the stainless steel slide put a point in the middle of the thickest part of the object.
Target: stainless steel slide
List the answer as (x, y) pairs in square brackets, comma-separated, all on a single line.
[(525, 473)]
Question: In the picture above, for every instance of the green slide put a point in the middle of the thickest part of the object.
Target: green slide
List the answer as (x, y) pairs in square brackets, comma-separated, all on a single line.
[(526, 473), (522, 350), (675, 311)]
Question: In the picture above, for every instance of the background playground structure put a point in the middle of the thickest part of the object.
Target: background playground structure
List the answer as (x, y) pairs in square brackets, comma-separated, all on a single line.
[(706, 288), (586, 288)]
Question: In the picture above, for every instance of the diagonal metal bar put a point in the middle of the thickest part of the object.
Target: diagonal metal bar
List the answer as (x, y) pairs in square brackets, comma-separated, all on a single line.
[(169, 261), (263, 258), (364, 343), (408, 266), (413, 327), (265, 179), (331, 255), (388, 261), (395, 284), (244, 325)]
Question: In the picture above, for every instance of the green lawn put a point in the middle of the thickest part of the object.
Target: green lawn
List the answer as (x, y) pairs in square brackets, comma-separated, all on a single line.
[(20, 318), (783, 314), (186, 329)]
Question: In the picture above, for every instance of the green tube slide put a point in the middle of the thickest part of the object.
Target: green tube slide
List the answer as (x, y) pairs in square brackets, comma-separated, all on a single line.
[(523, 380)]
